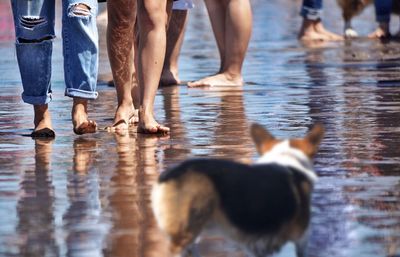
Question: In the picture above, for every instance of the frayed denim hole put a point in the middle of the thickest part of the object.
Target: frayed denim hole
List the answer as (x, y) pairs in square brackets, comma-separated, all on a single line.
[(30, 22), (27, 41), (79, 10)]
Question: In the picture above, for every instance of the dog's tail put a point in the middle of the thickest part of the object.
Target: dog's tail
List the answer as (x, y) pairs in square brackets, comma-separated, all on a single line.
[(182, 206)]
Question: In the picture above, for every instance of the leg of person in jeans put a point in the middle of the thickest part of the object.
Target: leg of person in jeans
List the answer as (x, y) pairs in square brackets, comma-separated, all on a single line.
[(312, 28), (231, 22), (120, 45), (383, 9), (34, 29), (152, 23), (175, 36), (80, 49)]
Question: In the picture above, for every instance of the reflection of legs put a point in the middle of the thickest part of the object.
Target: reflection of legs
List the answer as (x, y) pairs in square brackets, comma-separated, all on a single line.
[(120, 41), (312, 28), (231, 21), (34, 29), (383, 10), (80, 48), (175, 35), (83, 151), (152, 21)]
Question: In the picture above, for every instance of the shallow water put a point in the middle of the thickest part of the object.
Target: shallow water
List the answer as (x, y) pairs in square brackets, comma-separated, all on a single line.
[(89, 195)]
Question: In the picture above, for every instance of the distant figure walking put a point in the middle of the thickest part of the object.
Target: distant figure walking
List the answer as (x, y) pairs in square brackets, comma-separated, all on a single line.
[(312, 27), (34, 27), (383, 9)]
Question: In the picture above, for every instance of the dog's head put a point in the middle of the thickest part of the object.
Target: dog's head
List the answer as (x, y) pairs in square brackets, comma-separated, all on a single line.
[(296, 153)]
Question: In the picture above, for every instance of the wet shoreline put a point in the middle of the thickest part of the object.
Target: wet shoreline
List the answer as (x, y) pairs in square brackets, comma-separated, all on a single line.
[(90, 195)]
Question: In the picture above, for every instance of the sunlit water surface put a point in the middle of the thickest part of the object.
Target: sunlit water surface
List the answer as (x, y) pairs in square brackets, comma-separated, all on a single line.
[(90, 195)]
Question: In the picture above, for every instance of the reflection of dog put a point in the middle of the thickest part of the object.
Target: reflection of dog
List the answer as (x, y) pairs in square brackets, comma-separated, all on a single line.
[(352, 8), (260, 206)]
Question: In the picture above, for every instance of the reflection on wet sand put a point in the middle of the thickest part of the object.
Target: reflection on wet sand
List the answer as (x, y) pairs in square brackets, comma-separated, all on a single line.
[(36, 228), (81, 217), (134, 231), (90, 195)]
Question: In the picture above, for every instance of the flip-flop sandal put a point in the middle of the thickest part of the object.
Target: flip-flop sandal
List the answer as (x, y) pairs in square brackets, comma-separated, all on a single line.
[(86, 127), (43, 133)]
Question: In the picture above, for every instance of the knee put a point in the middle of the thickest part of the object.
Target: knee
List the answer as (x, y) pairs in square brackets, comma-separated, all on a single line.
[(34, 29), (80, 10), (152, 16)]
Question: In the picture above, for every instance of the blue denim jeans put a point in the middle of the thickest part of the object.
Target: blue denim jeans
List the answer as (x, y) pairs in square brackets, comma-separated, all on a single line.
[(383, 9), (34, 29), (311, 9)]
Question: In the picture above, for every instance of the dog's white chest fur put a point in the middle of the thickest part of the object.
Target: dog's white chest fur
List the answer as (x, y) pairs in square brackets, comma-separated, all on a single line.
[(283, 154)]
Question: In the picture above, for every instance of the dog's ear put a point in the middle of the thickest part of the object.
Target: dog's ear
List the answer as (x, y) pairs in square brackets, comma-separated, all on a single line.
[(262, 138), (315, 135), (309, 144)]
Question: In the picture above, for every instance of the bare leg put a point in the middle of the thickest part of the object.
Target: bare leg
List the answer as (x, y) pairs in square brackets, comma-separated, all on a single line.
[(80, 121), (42, 122), (314, 30), (175, 35), (152, 21), (120, 42), (231, 21)]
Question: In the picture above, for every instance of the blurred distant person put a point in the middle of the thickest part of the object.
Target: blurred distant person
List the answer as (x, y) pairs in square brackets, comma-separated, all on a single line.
[(383, 9), (312, 27)]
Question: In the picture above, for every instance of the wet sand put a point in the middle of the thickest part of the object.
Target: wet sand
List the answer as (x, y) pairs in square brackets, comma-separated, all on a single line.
[(90, 195)]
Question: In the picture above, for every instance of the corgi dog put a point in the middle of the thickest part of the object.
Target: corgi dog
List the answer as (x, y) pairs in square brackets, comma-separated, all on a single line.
[(352, 8), (259, 206)]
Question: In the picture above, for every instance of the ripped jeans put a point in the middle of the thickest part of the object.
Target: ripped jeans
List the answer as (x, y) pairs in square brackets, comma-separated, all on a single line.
[(34, 29)]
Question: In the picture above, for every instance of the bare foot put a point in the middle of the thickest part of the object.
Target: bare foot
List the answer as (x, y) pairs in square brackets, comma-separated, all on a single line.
[(125, 116), (314, 30), (169, 78), (319, 28), (42, 121), (381, 32), (220, 79), (148, 125), (80, 121)]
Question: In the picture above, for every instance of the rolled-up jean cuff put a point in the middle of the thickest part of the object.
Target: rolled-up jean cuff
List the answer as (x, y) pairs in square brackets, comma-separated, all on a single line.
[(37, 100), (383, 18), (310, 13), (71, 92)]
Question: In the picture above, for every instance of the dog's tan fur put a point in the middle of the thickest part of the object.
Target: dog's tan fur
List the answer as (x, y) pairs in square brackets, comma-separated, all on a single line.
[(194, 196), (184, 205)]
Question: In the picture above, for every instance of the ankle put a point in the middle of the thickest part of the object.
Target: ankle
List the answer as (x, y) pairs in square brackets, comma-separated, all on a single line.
[(384, 26), (308, 24), (232, 75), (41, 112)]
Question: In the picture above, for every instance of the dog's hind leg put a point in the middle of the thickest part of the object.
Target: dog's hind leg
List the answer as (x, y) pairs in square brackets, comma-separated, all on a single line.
[(182, 207), (349, 32), (302, 244)]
